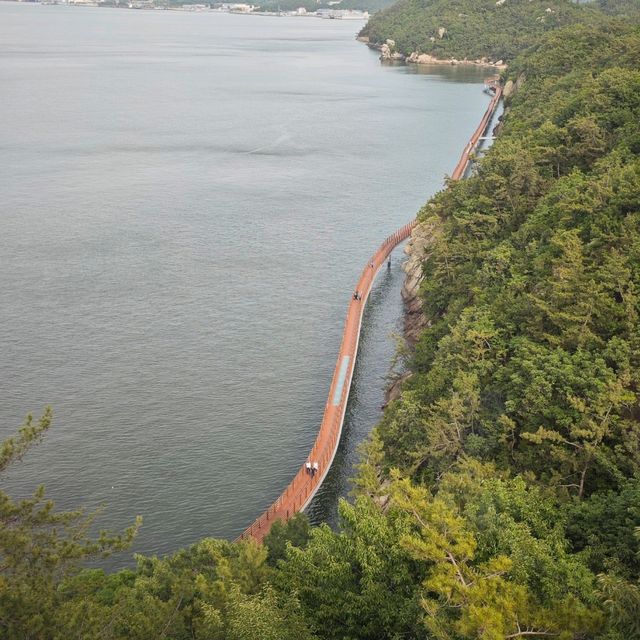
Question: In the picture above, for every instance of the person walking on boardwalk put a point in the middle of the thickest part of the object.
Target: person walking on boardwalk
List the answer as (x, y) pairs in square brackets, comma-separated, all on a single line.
[(307, 466), (315, 468)]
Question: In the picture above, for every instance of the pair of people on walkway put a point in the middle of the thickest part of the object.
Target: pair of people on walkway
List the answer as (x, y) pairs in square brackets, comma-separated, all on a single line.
[(312, 469)]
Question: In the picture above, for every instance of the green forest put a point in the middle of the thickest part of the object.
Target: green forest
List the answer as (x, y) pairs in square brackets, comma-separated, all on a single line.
[(474, 29), (499, 497)]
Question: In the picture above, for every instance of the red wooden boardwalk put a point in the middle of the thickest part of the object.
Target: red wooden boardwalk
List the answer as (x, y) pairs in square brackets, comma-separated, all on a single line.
[(304, 485), (463, 163)]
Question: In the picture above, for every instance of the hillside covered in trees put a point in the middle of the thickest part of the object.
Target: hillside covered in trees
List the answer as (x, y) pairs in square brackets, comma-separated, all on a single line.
[(499, 497), (472, 29)]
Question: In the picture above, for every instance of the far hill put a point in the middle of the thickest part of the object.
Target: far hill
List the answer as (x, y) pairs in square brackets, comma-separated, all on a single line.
[(471, 29), (621, 8)]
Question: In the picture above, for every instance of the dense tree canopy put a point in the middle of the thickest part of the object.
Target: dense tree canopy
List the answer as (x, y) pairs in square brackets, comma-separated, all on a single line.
[(472, 29)]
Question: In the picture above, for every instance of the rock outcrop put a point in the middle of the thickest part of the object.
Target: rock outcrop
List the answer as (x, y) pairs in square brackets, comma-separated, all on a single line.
[(394, 390), (508, 91), (388, 51), (416, 250), (425, 58), (414, 319)]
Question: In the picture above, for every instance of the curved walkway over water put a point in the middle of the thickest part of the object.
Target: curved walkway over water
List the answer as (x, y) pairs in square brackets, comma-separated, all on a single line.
[(472, 145), (304, 485)]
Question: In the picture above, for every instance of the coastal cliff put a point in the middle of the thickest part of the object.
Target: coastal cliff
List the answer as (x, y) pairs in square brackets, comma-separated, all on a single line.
[(424, 58), (415, 320), (389, 53), (416, 250)]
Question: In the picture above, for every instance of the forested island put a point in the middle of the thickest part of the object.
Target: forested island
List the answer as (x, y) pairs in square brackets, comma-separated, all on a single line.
[(499, 497)]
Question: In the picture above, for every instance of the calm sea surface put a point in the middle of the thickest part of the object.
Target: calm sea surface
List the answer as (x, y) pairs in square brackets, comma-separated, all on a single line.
[(186, 201)]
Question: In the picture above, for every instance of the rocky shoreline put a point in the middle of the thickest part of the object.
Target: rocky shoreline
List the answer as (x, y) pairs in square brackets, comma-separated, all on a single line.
[(414, 318), (389, 53), (416, 250)]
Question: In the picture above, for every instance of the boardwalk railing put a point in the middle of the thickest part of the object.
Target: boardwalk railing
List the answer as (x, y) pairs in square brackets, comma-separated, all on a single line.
[(301, 490), (472, 145)]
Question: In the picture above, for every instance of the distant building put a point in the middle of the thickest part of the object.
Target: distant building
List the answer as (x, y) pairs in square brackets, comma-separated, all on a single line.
[(141, 4), (237, 8)]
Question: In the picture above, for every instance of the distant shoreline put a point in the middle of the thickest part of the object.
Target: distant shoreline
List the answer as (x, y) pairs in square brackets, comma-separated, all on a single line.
[(148, 5)]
